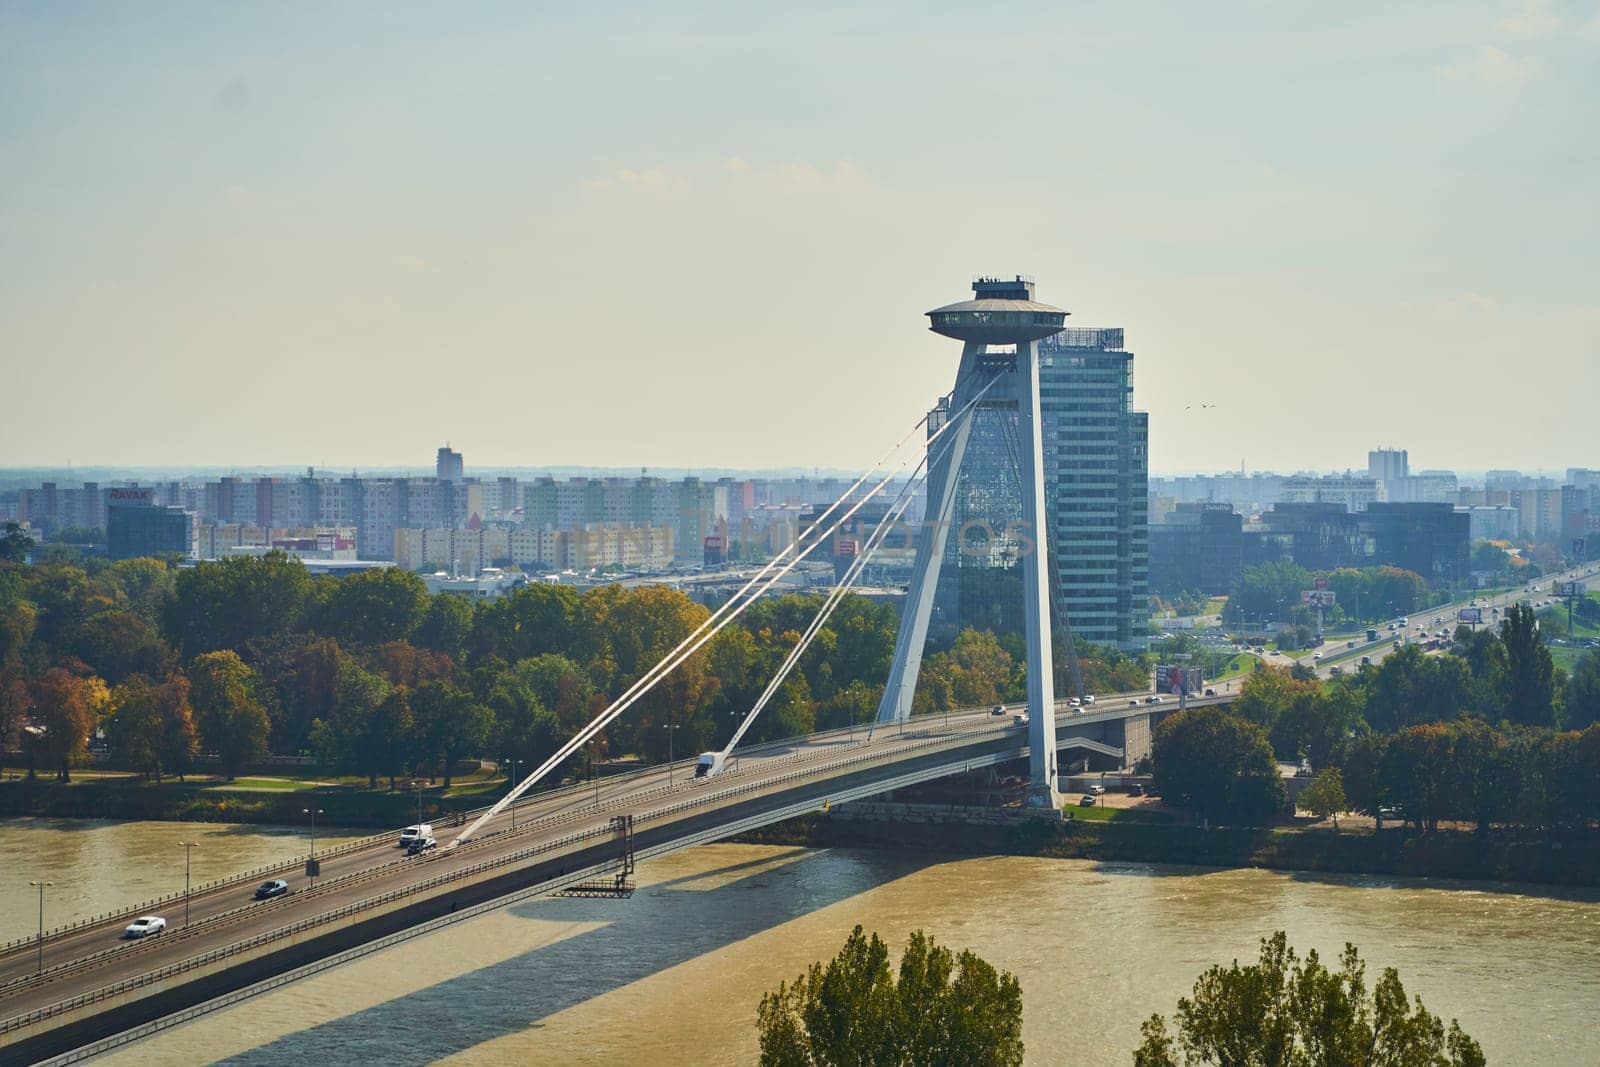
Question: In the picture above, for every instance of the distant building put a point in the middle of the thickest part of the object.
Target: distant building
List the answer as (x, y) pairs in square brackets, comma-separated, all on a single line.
[(1203, 547), (1492, 522), (1430, 539), (449, 466), (1387, 466), (1352, 491), (136, 527)]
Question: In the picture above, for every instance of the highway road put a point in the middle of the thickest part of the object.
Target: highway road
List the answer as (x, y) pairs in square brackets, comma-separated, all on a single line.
[(1446, 614)]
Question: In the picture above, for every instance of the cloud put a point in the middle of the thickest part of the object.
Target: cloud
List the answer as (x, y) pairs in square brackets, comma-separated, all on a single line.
[(649, 180), (1536, 19), (1495, 68)]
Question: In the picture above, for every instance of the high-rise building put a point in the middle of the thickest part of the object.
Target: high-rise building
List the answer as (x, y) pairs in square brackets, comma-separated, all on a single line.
[(136, 527), (1096, 474), (1388, 465), (1096, 469), (449, 467)]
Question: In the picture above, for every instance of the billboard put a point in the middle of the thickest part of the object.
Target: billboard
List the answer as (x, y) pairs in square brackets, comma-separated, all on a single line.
[(1179, 678), (1470, 616), (1569, 589), (1319, 583), (1317, 598)]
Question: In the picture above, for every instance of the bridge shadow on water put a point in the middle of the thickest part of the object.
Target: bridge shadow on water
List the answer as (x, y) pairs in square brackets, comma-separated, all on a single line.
[(664, 924)]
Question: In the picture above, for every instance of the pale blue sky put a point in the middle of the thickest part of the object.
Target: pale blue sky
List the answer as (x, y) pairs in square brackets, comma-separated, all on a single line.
[(704, 235)]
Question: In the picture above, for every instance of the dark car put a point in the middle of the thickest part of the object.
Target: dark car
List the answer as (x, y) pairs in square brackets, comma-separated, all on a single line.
[(1211, 692), (275, 888), (1086, 802), (1136, 790), (421, 845), (998, 709)]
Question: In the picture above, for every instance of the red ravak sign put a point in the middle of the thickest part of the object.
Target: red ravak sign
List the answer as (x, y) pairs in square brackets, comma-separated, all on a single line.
[(129, 496)]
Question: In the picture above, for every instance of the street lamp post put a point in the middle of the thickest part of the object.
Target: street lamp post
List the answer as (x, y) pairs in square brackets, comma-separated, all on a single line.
[(512, 780), (313, 812), (671, 728), (188, 847), (419, 805), (41, 886)]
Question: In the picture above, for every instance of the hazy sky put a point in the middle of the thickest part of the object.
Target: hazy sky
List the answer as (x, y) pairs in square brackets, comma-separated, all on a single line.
[(699, 235)]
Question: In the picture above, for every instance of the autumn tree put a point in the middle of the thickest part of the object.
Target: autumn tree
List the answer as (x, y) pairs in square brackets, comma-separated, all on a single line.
[(152, 725), (1286, 1012), (65, 715), (943, 1009), (231, 719), (372, 607)]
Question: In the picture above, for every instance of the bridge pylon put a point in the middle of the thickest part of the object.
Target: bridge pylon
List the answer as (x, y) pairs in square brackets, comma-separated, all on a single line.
[(1000, 329)]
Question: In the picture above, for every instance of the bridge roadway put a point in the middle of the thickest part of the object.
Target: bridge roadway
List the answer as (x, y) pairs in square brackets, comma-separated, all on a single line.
[(94, 985)]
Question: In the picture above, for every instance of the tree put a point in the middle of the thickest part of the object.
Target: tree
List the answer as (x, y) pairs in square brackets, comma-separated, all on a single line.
[(118, 644), (1325, 796), (232, 721), (1408, 689), (152, 726), (1581, 699), (535, 618), (1268, 693), (944, 1009), (446, 625), (1284, 1012), (1217, 764), (15, 545), (449, 723), (65, 714), (343, 739), (1266, 591), (1530, 672), (980, 669), (369, 608), (230, 602)]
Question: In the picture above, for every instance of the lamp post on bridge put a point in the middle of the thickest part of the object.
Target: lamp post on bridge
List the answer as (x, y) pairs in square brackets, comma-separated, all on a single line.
[(311, 860), (671, 728), (511, 780), (41, 886), (188, 848)]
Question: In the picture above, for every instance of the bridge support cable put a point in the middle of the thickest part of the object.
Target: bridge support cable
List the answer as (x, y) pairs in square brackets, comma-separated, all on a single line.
[(702, 634), (836, 595)]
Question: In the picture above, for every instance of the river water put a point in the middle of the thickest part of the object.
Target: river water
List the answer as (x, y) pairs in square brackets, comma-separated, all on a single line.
[(674, 974), (101, 865)]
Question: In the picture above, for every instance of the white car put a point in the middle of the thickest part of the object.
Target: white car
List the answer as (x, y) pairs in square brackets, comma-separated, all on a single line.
[(146, 926)]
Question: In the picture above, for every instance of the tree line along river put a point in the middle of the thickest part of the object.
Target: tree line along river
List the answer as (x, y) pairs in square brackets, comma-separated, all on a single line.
[(674, 974)]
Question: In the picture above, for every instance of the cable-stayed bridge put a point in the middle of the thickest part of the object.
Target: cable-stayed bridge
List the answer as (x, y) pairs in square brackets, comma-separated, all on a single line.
[(82, 988)]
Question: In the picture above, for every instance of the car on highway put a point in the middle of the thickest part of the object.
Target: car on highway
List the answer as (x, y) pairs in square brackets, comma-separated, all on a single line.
[(1316, 655), (1335, 670), (421, 845), (414, 833), (145, 926), (1075, 703), (1366, 661), (1152, 700), (1211, 692), (998, 709), (1133, 703), (275, 888), (1088, 699)]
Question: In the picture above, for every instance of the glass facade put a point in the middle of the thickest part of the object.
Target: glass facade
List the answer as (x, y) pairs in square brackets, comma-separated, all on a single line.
[(1096, 469)]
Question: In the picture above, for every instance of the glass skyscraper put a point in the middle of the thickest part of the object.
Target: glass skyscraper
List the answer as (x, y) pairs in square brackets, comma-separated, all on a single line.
[(1096, 468)]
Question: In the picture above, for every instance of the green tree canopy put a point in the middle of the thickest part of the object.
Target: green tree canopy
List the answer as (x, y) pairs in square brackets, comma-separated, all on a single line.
[(231, 719), (1211, 762), (371, 607), (943, 1009), (1286, 1012)]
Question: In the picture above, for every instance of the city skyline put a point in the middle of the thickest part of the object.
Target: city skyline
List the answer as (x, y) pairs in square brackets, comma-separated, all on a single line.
[(381, 241)]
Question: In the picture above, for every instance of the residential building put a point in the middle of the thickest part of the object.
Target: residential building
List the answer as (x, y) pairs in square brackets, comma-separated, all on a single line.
[(1353, 491), (137, 527)]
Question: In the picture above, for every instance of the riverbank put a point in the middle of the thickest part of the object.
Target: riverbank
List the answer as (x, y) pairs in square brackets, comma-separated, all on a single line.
[(1561, 859), (206, 802)]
